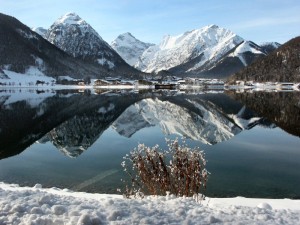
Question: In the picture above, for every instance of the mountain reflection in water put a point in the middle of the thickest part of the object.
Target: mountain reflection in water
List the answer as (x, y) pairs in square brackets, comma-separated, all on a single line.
[(282, 108), (73, 122)]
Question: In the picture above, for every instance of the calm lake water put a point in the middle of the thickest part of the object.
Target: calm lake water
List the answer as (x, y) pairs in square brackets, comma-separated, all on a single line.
[(77, 140)]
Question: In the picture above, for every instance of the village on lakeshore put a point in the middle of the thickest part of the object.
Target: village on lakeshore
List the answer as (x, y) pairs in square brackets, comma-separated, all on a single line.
[(168, 82)]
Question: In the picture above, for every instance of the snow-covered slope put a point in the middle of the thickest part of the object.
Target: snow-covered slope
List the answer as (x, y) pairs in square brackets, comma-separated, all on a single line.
[(40, 30), (129, 48), (208, 125), (76, 37), (37, 205), (206, 44), (247, 47)]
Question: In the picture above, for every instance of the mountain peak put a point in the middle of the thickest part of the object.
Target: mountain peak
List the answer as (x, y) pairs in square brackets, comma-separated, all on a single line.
[(213, 26), (126, 36), (129, 47), (70, 18), (75, 36)]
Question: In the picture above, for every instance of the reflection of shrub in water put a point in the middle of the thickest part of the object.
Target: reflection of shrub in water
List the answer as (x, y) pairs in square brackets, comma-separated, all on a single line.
[(184, 175)]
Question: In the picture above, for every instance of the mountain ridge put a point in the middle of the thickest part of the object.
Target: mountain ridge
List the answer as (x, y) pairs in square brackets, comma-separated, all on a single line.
[(281, 65), (205, 52)]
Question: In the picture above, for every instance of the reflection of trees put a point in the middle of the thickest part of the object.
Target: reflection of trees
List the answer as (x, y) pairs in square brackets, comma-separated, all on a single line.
[(282, 108)]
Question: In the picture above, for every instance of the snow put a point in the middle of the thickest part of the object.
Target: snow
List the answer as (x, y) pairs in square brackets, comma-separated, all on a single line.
[(28, 79), (75, 36), (104, 61), (66, 78), (129, 48), (274, 44), (242, 48), (40, 30), (212, 42), (37, 205), (106, 110), (246, 47), (28, 35), (70, 18)]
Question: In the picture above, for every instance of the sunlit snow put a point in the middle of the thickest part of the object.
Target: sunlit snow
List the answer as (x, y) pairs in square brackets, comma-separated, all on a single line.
[(37, 205)]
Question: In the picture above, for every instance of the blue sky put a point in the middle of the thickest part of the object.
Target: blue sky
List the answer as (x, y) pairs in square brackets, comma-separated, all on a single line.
[(150, 20)]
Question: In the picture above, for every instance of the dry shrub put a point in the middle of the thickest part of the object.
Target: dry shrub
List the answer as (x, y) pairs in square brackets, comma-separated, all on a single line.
[(183, 175)]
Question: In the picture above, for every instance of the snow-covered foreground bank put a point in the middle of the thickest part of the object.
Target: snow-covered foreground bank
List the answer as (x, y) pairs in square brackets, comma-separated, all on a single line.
[(25, 205)]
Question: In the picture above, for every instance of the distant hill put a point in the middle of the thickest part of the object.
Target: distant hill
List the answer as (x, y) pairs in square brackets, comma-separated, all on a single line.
[(282, 65)]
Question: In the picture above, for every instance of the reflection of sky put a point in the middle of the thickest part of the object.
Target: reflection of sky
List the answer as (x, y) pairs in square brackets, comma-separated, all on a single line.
[(275, 140), (258, 160)]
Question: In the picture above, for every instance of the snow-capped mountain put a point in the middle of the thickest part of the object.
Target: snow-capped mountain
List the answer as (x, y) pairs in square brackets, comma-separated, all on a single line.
[(26, 51), (234, 60), (205, 44), (75, 36), (129, 48), (211, 51), (40, 30), (201, 121)]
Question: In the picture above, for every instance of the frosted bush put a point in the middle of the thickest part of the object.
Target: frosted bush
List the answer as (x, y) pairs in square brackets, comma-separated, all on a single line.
[(180, 170)]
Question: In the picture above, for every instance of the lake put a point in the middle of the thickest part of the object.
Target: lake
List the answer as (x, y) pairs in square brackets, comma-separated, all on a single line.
[(77, 139)]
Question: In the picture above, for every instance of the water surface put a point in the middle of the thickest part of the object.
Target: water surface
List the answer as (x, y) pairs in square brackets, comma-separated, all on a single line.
[(78, 140)]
